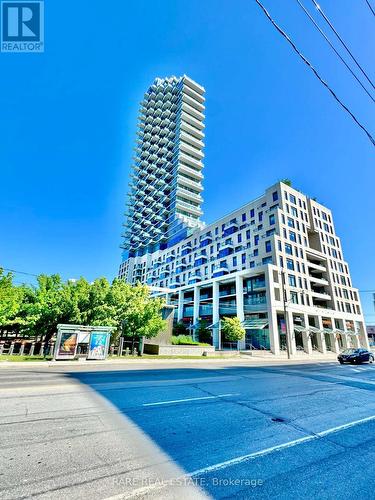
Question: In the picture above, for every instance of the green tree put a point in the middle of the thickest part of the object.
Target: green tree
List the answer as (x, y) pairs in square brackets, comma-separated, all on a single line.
[(137, 312), (203, 333), (39, 309), (46, 305), (180, 329), (232, 329), (10, 300)]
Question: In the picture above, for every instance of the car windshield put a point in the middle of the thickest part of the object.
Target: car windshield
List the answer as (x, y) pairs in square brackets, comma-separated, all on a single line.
[(350, 351)]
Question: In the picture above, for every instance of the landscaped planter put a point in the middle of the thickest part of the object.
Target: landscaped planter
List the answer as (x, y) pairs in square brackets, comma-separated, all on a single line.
[(178, 350)]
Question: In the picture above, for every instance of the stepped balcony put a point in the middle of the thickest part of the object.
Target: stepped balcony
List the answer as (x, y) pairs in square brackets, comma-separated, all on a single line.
[(198, 106), (187, 137), (197, 96), (188, 170), (186, 207), (192, 152), (186, 193), (191, 111)]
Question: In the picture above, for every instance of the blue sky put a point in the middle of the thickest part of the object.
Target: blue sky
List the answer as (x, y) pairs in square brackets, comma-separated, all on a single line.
[(68, 121)]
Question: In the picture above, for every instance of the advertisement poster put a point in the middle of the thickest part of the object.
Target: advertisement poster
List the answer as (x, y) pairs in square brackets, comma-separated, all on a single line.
[(98, 345), (283, 326), (67, 345)]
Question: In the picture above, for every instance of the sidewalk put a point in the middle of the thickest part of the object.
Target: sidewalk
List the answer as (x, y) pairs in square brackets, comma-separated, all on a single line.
[(245, 357)]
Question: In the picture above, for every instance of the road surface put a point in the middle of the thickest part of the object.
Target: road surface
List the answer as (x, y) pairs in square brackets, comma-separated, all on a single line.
[(187, 430)]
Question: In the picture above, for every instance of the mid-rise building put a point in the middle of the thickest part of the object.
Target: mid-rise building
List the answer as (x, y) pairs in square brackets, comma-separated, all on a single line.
[(276, 263)]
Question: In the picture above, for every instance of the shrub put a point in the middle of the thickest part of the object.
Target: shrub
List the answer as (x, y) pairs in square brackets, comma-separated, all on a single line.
[(186, 340), (180, 329)]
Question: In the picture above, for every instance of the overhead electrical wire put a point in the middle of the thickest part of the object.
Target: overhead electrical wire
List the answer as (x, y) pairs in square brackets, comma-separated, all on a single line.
[(370, 7), (323, 82), (333, 48), (18, 272), (342, 41)]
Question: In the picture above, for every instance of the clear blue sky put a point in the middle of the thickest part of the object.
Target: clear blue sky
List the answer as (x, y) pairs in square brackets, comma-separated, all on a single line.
[(68, 121)]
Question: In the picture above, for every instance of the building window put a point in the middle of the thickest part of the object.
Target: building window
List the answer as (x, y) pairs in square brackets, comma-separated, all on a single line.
[(260, 216), (239, 238), (268, 246), (248, 234), (243, 258), (272, 219), (290, 222), (275, 196), (292, 199), (252, 213), (292, 280), (267, 260), (290, 264), (234, 261), (292, 236), (243, 217), (294, 297), (252, 264), (288, 249), (256, 239)]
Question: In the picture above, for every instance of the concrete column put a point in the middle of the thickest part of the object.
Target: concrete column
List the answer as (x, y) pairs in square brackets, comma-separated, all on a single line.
[(240, 306), (356, 341), (292, 337), (321, 338), (334, 343), (180, 310), (22, 348), (306, 339), (215, 314), (196, 304), (31, 353), (345, 340), (272, 313), (363, 337)]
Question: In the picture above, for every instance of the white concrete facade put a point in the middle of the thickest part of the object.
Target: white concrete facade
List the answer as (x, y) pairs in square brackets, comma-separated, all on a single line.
[(235, 267)]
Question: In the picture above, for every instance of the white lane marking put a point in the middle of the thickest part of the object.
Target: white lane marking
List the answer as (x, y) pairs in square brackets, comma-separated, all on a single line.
[(283, 446), (188, 399), (238, 460)]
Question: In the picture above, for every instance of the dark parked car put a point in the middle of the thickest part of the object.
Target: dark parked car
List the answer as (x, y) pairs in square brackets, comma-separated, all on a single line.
[(355, 356)]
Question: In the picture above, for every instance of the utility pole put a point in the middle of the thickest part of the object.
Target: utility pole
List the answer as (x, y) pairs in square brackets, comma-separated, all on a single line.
[(285, 303)]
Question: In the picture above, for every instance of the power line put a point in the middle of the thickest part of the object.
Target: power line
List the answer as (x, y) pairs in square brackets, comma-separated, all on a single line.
[(18, 272), (314, 71), (342, 41), (369, 6), (333, 48)]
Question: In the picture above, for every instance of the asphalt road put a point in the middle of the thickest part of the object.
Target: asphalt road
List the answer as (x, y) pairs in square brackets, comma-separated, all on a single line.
[(187, 430)]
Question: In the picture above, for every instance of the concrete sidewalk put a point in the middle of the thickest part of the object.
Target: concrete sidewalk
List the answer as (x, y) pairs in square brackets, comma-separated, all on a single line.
[(255, 358)]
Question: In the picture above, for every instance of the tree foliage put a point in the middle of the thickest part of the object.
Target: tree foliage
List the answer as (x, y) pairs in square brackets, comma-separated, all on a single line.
[(37, 310), (180, 329), (10, 299), (202, 332), (232, 329)]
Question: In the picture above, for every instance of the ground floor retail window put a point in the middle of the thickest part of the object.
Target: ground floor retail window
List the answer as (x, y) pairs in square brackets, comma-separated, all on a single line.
[(258, 339)]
